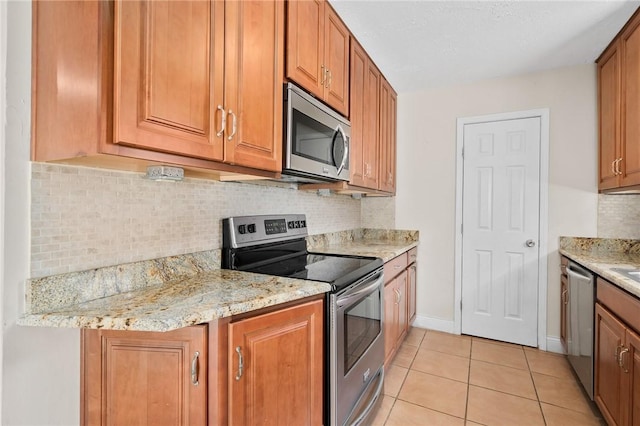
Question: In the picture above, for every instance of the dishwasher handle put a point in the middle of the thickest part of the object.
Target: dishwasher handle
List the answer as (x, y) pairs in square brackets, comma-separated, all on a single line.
[(579, 272)]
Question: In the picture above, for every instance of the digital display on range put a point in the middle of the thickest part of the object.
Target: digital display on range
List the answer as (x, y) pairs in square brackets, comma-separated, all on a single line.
[(275, 226)]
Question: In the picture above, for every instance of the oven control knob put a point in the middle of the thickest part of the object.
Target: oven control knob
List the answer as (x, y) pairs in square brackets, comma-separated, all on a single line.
[(242, 229), (251, 228)]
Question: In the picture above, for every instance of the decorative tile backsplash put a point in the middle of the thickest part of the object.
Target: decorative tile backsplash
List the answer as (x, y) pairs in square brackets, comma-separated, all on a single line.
[(379, 212), (619, 216), (84, 218)]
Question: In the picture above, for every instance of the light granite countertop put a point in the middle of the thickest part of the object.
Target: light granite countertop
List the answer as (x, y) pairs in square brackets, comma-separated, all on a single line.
[(178, 291), (602, 256), (179, 303), (385, 244)]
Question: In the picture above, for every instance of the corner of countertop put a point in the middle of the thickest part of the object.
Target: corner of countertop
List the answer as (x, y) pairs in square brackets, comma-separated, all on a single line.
[(362, 235), (45, 294)]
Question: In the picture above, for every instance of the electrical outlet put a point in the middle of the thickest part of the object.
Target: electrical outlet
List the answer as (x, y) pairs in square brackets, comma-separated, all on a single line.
[(165, 173)]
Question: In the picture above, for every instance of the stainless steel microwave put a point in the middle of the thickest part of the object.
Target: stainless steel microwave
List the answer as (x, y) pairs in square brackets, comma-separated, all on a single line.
[(316, 139)]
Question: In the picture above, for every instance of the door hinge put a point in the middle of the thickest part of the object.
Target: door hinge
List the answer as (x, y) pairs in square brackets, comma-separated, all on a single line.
[(463, 152), (461, 227)]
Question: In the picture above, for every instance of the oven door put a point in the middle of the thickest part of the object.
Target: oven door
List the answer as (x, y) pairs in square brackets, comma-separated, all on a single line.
[(317, 140), (356, 350)]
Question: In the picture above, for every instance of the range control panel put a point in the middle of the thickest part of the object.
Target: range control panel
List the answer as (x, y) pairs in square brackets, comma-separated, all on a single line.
[(242, 231)]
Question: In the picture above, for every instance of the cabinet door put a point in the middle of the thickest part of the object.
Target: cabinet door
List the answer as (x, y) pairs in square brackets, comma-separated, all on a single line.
[(630, 89), (631, 385), (336, 60), (370, 131), (254, 65), (390, 319), (359, 63), (388, 100), (411, 294), (564, 303), (281, 378), (305, 44), (169, 76), (137, 378), (610, 335), (609, 116), (403, 319)]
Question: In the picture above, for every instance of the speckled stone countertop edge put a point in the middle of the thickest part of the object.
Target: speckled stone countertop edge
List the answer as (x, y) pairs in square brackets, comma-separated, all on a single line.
[(602, 255), (383, 243), (195, 300)]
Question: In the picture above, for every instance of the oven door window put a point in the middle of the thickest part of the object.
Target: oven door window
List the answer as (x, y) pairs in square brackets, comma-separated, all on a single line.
[(362, 325), (314, 140)]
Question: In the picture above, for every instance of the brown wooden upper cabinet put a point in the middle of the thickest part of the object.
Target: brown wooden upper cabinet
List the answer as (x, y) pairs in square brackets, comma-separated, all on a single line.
[(388, 108), (165, 81), (365, 100), (318, 52), (373, 125), (618, 109)]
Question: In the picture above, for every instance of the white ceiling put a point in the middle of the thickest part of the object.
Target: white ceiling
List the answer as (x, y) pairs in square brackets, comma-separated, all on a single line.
[(425, 44)]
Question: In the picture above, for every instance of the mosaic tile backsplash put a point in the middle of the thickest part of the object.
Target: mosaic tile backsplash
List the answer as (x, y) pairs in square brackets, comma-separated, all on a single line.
[(619, 216), (84, 218)]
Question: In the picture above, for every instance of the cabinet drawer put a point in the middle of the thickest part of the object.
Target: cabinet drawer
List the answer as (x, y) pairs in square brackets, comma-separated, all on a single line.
[(624, 305), (413, 255), (393, 267)]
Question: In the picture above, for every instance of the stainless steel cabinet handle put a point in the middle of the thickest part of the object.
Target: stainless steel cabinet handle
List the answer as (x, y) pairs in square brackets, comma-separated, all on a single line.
[(621, 362), (240, 362), (330, 78), (234, 126), (613, 167), (194, 369), (397, 292), (530, 243), (323, 72), (224, 121)]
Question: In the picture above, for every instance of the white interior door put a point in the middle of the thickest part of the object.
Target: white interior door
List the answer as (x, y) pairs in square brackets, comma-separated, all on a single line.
[(501, 227)]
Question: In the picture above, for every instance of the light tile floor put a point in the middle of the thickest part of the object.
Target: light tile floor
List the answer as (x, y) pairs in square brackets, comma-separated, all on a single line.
[(444, 379)]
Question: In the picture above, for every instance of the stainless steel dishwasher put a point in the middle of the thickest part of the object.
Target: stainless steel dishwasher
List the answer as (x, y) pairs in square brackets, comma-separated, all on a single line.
[(580, 324)]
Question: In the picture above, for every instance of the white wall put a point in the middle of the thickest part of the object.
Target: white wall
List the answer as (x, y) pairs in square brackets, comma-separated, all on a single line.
[(427, 171), (3, 115), (40, 366)]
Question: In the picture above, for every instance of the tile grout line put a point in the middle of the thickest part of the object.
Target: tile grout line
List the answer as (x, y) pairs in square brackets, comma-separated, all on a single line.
[(535, 388)]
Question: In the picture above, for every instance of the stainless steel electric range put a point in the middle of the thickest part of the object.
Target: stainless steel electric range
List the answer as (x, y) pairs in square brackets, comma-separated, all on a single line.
[(354, 346)]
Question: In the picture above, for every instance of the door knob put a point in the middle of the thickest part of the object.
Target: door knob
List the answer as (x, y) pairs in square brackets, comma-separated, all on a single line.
[(530, 243)]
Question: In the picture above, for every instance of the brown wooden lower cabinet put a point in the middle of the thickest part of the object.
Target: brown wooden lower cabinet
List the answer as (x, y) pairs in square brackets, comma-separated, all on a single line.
[(617, 355), (276, 367), (193, 376), (395, 315), (399, 302), (138, 378)]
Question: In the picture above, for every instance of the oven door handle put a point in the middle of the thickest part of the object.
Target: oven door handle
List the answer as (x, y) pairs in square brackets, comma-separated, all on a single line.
[(347, 299)]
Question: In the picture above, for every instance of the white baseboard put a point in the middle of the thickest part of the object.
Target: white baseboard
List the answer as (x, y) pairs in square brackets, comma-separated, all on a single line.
[(437, 324), (554, 345)]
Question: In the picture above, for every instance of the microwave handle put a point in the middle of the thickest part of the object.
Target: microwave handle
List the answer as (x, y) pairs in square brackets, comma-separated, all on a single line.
[(345, 156)]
